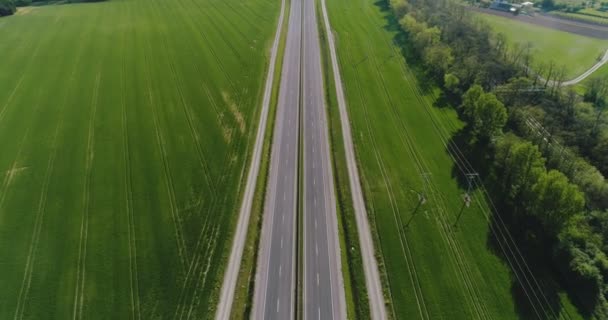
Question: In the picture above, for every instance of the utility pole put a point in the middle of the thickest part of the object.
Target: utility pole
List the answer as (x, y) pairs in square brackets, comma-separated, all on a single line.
[(421, 197), (467, 196)]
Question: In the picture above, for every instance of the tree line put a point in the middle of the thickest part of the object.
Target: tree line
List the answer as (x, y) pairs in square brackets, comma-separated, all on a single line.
[(545, 147), (9, 7)]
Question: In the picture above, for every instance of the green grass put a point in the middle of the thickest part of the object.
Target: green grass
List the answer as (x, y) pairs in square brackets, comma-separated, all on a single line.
[(434, 270), (576, 53), (601, 73), (594, 12), (124, 128), (581, 17)]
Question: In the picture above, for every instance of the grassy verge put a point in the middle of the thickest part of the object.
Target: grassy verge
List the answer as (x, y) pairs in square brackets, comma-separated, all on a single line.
[(352, 268), (243, 298)]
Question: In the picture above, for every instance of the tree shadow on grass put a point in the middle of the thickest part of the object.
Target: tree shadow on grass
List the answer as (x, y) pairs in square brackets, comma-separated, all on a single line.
[(534, 288), (400, 39)]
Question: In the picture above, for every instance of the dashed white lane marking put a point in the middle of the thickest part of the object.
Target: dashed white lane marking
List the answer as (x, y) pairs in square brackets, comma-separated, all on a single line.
[(315, 200), (315, 223), (314, 181), (317, 279), (316, 249), (319, 312), (281, 270), (281, 242), (278, 304)]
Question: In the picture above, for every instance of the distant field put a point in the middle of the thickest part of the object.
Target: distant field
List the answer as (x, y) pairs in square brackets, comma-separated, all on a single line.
[(595, 12), (435, 270), (577, 53), (124, 130), (581, 17)]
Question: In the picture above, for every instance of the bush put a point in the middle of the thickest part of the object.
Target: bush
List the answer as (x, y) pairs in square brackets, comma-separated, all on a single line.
[(7, 7)]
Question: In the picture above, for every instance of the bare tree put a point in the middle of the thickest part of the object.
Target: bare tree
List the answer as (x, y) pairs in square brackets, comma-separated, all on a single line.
[(550, 70)]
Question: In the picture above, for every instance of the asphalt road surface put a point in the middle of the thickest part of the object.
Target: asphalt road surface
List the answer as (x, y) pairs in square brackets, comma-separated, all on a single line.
[(323, 292), (274, 294), (300, 92)]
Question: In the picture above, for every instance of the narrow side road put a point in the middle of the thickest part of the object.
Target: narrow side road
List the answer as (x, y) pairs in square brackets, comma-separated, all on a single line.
[(587, 73), (238, 243), (370, 265)]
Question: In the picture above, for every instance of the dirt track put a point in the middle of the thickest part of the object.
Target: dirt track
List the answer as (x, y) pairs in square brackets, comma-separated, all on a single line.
[(580, 28)]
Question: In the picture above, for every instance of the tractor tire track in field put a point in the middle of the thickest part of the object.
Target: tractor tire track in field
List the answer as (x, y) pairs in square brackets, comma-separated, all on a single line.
[(455, 248), (456, 153), (133, 275), (181, 246), (84, 225), (422, 166), (402, 238), (10, 173), (408, 144), (212, 50), (196, 276), (39, 220), (232, 151), (131, 234), (189, 118), (191, 280), (31, 257), (513, 259), (188, 114), (167, 177), (364, 179), (220, 31), (19, 82), (233, 147)]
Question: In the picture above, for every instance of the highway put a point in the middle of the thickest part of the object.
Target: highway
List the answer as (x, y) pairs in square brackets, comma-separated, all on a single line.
[(323, 291), (274, 295), (301, 92)]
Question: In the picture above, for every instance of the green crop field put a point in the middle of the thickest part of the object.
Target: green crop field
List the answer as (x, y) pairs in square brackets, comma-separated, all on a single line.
[(124, 133), (576, 53), (581, 17), (435, 269)]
